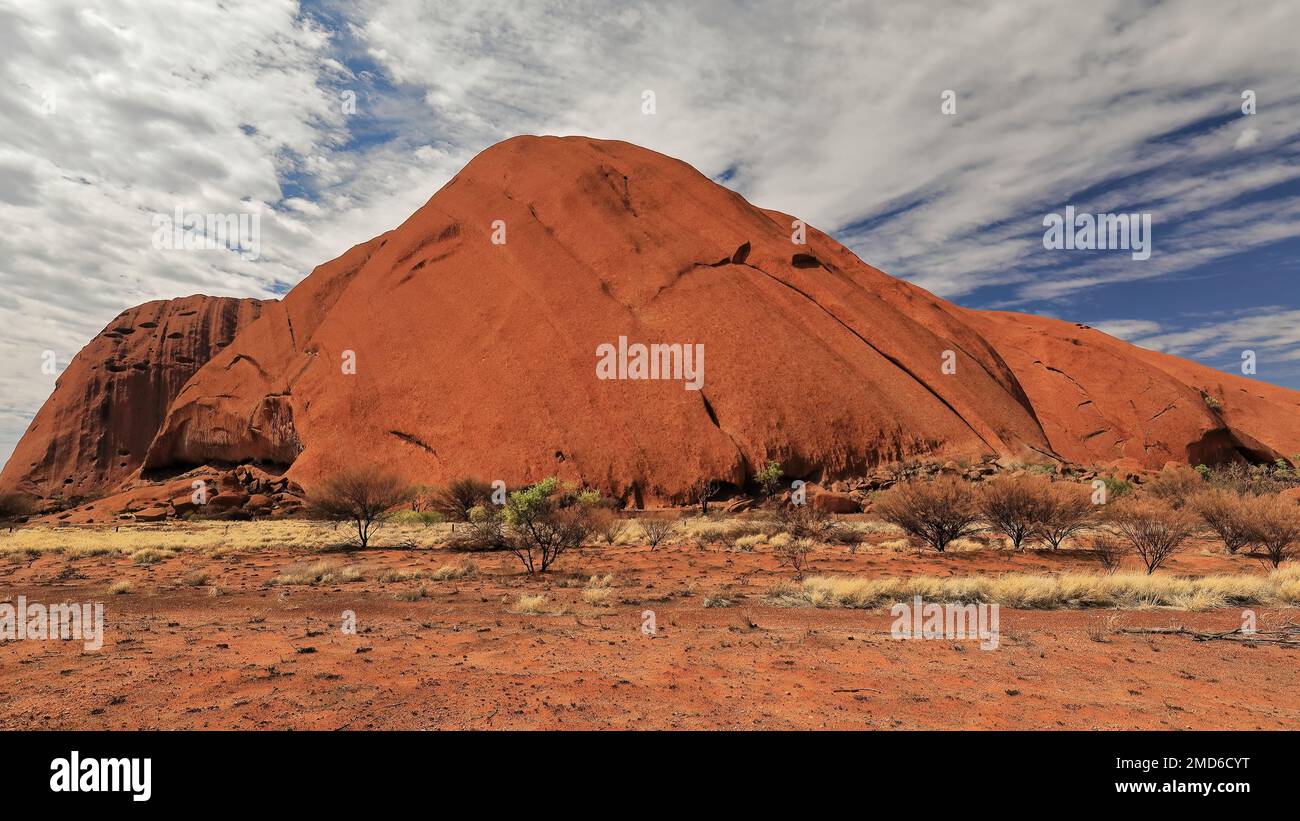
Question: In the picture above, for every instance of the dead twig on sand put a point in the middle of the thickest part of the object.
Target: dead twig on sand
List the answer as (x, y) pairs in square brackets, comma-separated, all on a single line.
[(1289, 637)]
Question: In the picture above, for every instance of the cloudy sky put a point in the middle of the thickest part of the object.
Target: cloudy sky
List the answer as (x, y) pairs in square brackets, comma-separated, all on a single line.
[(115, 111)]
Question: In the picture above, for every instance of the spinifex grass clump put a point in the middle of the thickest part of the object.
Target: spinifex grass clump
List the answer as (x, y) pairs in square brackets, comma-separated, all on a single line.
[(1032, 592)]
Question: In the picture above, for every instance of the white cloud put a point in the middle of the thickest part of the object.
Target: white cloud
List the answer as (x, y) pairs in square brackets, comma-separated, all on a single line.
[(1130, 330), (829, 111)]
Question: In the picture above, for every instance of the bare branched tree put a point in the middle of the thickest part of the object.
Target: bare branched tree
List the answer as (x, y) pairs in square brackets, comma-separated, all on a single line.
[(1154, 530), (363, 496), (936, 512), (656, 531), (459, 497), (1067, 510), (1015, 506), (1276, 528), (704, 490), (1228, 514)]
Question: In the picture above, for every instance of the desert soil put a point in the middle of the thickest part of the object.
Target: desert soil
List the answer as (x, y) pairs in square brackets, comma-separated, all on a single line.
[(237, 651)]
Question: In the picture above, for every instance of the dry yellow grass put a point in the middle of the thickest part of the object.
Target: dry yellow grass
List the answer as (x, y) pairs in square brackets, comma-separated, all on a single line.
[(196, 578), (531, 605), (414, 594), (391, 575), (1068, 590), (324, 572), (119, 588), (461, 570), (207, 537), (151, 555), (599, 591)]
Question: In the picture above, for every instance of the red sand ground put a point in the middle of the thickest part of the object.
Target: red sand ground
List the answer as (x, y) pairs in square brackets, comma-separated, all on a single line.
[(261, 656)]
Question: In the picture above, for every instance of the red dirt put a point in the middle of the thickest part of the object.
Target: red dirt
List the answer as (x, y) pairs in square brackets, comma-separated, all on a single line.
[(176, 657)]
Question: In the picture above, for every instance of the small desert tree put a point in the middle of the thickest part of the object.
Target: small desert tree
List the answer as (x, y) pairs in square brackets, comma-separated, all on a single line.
[(13, 507), (1276, 528), (546, 519), (363, 496), (1014, 506), (769, 478), (936, 512), (1067, 510), (704, 490), (459, 497), (1228, 514), (1154, 530)]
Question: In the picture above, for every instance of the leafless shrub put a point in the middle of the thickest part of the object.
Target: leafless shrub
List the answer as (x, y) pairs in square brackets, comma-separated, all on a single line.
[(1108, 550), (806, 522), (459, 497), (1175, 486), (1067, 510), (608, 525), (936, 512), (362, 496), (794, 553), (1154, 530), (1015, 506), (656, 531), (1228, 514), (1276, 528)]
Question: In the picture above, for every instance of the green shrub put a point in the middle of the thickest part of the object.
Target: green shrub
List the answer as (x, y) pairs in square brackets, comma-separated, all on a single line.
[(546, 519), (769, 478)]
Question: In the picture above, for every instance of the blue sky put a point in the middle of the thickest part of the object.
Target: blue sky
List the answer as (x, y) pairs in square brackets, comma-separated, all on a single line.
[(830, 111)]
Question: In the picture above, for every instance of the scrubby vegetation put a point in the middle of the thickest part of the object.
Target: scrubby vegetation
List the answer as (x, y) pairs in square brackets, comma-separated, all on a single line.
[(1015, 506), (1228, 515), (656, 530), (1154, 530), (364, 497), (547, 519), (14, 507), (1276, 529), (794, 553), (769, 478), (1068, 590), (1067, 511), (460, 497), (935, 512)]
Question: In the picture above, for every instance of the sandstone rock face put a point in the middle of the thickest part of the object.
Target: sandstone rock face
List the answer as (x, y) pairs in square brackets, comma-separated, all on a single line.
[(107, 405), (1104, 401), (465, 343), (478, 358), (833, 502)]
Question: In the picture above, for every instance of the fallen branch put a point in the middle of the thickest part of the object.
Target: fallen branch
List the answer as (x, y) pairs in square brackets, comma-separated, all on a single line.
[(1281, 638)]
